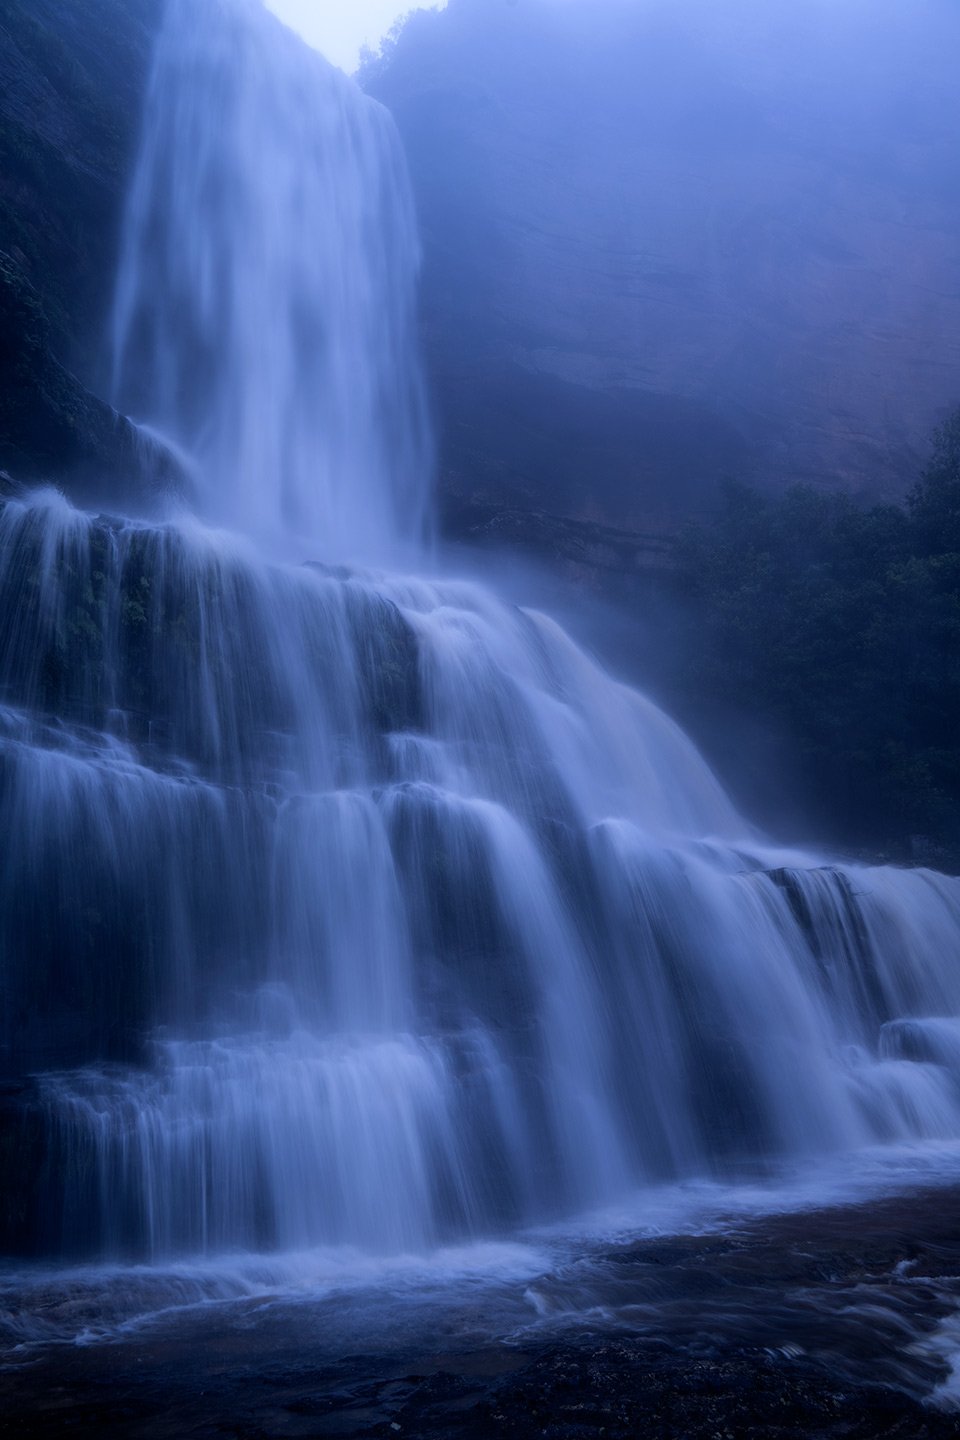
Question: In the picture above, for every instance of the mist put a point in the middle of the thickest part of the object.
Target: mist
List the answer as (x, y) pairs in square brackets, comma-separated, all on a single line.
[(670, 244), (683, 241), (343, 31)]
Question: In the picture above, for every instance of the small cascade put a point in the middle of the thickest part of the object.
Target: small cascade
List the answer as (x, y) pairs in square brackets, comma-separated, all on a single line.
[(346, 908)]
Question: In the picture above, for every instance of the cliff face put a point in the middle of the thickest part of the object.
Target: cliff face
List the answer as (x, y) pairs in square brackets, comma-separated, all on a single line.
[(72, 76), (663, 243), (667, 242)]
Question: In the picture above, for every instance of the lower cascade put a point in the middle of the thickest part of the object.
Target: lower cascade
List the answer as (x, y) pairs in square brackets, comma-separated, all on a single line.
[(352, 908), (368, 910)]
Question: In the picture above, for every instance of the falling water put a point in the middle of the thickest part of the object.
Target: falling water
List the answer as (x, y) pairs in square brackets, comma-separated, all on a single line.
[(351, 908), (264, 311)]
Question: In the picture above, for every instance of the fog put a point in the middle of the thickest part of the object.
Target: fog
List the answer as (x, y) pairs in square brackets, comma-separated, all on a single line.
[(341, 30), (668, 242)]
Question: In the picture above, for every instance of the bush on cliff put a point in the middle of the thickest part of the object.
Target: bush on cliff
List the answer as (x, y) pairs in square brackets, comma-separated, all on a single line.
[(839, 626)]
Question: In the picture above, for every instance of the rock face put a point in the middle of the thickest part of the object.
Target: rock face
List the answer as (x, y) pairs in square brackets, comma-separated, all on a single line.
[(72, 75), (664, 242)]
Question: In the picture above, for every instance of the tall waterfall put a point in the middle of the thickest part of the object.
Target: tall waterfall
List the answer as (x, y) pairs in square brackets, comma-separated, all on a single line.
[(264, 312), (344, 908)]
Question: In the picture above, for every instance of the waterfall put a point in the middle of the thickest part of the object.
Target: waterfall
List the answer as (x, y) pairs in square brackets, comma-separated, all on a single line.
[(264, 311), (350, 907)]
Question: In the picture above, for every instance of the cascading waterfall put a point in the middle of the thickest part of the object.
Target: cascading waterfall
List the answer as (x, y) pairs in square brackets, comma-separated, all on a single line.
[(351, 908)]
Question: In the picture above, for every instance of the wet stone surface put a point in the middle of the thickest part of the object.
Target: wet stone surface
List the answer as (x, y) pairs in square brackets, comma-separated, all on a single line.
[(831, 1324)]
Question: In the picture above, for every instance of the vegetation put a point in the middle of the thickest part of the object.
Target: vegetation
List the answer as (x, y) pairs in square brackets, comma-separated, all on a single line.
[(839, 626)]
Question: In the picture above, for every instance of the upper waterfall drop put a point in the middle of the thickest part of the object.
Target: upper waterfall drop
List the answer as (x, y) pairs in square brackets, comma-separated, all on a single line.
[(264, 318)]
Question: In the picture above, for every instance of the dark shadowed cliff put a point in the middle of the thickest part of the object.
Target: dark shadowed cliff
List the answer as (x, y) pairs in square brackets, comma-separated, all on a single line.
[(72, 76), (665, 242)]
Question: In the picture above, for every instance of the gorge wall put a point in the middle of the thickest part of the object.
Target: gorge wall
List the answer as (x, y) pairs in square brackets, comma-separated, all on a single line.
[(667, 242)]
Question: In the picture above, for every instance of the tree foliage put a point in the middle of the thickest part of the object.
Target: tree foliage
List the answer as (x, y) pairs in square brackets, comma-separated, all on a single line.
[(840, 626)]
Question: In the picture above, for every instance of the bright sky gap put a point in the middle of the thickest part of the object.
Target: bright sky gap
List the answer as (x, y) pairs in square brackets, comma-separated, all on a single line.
[(341, 28)]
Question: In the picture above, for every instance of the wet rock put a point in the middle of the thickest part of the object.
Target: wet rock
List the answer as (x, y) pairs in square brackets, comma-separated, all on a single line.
[(23, 1151), (72, 74)]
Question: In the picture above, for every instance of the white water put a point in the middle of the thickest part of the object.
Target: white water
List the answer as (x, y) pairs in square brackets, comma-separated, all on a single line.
[(264, 313), (344, 909)]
